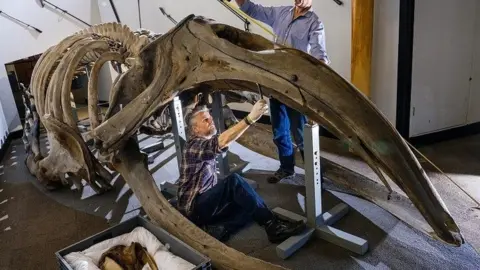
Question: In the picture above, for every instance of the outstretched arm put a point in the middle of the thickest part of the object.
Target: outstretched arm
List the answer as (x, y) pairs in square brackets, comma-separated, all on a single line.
[(317, 47), (233, 133), (258, 12)]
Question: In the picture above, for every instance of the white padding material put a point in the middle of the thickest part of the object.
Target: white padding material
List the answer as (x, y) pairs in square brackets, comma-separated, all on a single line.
[(89, 258)]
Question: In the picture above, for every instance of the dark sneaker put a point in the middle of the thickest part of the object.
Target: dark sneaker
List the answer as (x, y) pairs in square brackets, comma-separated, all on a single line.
[(279, 175), (279, 230)]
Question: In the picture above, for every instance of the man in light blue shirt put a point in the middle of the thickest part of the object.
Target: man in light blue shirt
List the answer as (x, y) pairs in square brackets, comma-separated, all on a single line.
[(298, 27)]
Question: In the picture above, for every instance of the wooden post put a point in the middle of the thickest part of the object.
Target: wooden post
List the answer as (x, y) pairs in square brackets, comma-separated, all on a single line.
[(362, 39)]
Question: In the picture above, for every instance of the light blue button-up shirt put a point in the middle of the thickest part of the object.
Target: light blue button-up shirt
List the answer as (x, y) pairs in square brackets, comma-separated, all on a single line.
[(305, 33)]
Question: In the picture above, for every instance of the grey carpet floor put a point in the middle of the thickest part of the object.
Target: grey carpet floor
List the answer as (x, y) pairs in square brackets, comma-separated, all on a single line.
[(392, 244)]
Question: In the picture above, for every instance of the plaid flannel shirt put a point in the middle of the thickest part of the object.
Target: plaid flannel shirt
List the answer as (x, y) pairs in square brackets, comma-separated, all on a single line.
[(197, 170)]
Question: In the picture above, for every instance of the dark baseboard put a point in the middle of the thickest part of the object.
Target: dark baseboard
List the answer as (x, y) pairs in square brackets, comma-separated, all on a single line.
[(11, 136), (16, 134), (103, 103), (445, 135)]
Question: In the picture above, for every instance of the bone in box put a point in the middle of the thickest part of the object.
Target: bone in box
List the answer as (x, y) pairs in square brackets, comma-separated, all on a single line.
[(177, 247)]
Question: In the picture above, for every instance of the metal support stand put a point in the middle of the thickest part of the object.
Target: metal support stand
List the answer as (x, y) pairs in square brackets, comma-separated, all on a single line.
[(178, 127), (225, 168), (318, 222), (180, 137), (222, 159)]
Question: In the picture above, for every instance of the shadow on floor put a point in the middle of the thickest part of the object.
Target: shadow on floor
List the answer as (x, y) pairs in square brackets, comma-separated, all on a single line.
[(460, 156), (392, 244), (115, 205), (36, 227), (286, 196)]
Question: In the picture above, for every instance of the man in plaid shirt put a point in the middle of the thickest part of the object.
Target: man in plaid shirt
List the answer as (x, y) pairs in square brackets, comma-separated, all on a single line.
[(221, 208)]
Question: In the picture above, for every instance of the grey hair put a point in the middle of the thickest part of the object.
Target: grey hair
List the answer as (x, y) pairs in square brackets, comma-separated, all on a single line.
[(189, 119)]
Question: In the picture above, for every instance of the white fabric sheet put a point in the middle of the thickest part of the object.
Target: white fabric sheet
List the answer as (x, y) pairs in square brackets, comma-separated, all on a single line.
[(89, 258)]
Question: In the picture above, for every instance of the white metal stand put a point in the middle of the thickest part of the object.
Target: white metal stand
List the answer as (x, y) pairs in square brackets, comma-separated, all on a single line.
[(223, 165), (178, 127), (180, 137), (318, 222)]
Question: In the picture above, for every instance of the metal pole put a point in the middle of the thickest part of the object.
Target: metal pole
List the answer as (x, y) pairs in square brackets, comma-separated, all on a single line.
[(139, 14), (245, 21), (178, 128), (313, 176), (168, 16), (115, 11), (40, 2), (222, 159), (28, 25)]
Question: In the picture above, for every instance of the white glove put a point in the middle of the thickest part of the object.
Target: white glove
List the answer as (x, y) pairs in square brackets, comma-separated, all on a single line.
[(258, 110)]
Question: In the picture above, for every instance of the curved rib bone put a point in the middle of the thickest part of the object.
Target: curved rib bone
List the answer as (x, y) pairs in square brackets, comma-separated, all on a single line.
[(53, 102), (92, 85), (209, 53)]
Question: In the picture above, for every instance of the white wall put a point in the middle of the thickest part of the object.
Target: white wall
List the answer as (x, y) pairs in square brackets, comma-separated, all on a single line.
[(3, 127), (16, 42), (443, 96), (337, 21), (385, 57)]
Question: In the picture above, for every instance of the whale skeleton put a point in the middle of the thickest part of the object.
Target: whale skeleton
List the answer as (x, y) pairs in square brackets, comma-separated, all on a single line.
[(199, 53)]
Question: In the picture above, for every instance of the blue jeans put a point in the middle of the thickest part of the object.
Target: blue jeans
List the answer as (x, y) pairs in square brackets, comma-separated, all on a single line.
[(285, 120), (231, 203)]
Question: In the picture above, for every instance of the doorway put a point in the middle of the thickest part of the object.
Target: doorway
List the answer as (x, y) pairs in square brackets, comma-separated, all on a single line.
[(20, 72)]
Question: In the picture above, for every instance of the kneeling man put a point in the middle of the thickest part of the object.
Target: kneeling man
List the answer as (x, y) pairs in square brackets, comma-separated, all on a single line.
[(223, 207)]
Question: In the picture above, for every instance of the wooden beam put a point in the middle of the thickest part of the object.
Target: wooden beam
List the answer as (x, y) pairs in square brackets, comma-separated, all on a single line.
[(362, 39)]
